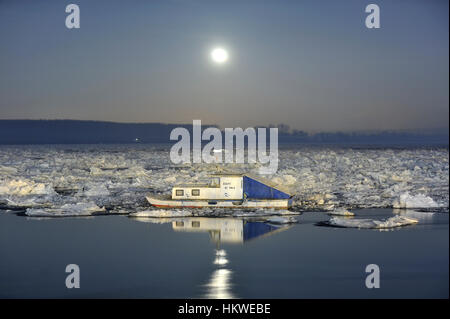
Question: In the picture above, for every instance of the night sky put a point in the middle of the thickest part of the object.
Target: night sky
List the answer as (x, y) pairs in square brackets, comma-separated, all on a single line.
[(312, 65)]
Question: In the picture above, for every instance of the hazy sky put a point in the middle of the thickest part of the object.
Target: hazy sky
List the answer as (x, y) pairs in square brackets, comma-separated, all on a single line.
[(310, 64)]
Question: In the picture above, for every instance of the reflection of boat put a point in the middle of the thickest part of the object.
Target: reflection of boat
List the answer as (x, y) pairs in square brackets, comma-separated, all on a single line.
[(227, 230), (227, 191), (230, 231)]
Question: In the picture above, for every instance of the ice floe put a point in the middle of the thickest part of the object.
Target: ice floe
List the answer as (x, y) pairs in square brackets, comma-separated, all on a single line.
[(22, 202), (162, 213), (341, 212), (67, 210), (391, 222)]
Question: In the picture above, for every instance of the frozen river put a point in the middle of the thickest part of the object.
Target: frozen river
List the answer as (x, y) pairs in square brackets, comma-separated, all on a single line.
[(399, 196), (118, 176)]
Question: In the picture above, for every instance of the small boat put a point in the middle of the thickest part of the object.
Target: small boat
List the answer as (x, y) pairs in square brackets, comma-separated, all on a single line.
[(242, 191)]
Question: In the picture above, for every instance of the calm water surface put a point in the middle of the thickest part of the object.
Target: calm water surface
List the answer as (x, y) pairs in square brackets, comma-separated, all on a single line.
[(125, 257)]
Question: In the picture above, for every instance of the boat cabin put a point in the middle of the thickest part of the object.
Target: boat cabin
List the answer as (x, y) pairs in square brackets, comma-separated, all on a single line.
[(230, 187)]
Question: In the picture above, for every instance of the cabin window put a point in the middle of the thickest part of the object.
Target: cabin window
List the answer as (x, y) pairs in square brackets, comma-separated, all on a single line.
[(195, 192), (179, 224), (196, 224), (179, 192)]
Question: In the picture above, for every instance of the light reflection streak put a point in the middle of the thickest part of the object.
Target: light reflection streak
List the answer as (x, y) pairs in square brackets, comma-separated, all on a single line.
[(219, 285)]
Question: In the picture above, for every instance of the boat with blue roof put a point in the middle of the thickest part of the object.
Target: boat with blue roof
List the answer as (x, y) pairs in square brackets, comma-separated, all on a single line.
[(228, 190)]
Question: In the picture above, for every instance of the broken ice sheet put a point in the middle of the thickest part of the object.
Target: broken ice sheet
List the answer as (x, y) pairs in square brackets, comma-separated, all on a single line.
[(321, 178)]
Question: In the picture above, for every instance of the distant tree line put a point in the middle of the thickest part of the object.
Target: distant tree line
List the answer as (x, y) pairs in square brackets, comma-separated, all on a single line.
[(95, 132)]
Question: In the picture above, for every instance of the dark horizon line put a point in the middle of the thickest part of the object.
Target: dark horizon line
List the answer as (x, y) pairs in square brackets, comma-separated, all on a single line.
[(285, 129), (101, 132)]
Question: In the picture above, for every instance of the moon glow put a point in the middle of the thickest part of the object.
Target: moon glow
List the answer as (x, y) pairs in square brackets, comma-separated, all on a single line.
[(219, 55)]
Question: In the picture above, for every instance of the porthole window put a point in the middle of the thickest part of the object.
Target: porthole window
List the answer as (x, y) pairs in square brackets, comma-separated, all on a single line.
[(195, 192)]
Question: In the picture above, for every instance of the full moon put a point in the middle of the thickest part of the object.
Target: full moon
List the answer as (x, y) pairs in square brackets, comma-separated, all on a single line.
[(219, 55)]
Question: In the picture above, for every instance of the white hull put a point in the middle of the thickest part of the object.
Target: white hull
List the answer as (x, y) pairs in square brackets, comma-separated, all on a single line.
[(246, 204)]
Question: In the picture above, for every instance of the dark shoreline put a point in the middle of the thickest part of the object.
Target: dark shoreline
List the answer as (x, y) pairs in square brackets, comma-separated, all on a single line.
[(19, 132)]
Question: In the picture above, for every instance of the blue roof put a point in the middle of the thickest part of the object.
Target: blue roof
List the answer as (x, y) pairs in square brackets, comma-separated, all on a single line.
[(259, 190)]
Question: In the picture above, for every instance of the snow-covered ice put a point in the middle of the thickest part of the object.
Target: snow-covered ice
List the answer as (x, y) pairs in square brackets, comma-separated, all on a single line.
[(391, 222), (341, 212), (418, 201), (119, 176), (24, 187), (163, 213), (173, 213), (67, 210)]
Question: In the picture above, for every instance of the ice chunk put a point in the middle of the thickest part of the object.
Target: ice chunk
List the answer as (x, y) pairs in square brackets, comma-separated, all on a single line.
[(67, 210), (392, 222), (285, 180), (7, 170), (25, 187), (97, 190), (281, 220), (341, 212), (95, 171), (418, 201), (27, 202), (162, 213), (170, 179)]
